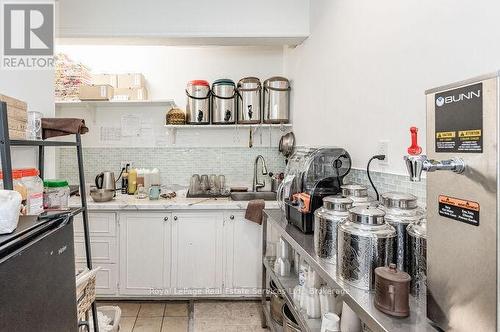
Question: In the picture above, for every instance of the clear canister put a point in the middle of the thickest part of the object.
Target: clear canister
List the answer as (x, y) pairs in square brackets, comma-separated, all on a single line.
[(400, 211), (327, 218), (34, 190), (56, 194)]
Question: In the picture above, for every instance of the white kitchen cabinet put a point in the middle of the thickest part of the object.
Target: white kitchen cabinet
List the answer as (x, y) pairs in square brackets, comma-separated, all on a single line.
[(242, 254), (197, 252), (106, 278), (145, 248), (100, 224)]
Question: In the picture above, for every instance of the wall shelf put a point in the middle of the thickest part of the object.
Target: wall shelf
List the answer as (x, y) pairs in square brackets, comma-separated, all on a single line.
[(113, 103), (93, 105), (283, 126)]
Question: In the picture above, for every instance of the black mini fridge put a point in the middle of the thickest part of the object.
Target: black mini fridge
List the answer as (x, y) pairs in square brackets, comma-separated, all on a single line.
[(37, 276)]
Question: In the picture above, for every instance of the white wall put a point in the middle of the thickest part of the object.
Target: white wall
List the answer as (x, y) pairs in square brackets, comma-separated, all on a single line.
[(36, 87), (167, 69), (361, 75)]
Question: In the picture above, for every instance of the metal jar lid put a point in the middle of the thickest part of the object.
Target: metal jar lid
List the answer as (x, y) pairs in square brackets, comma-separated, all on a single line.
[(418, 229), (277, 83), (399, 200), (337, 203), (354, 189), (368, 215), (392, 275), (249, 84)]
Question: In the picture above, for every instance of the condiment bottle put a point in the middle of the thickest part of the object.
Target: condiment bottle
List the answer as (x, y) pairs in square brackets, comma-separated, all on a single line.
[(124, 183), (132, 181)]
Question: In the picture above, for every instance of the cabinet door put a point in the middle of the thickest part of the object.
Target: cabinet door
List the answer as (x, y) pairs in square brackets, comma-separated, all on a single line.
[(144, 253), (197, 252), (243, 252), (106, 278)]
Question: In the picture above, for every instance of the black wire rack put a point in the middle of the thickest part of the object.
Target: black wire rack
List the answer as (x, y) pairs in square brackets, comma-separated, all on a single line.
[(5, 154)]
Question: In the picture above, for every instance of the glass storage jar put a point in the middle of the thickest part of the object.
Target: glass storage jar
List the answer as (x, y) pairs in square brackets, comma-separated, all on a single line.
[(56, 194), (34, 190)]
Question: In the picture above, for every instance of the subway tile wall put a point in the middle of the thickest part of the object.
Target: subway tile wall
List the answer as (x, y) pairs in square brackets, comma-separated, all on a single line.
[(388, 182), (236, 163), (176, 164)]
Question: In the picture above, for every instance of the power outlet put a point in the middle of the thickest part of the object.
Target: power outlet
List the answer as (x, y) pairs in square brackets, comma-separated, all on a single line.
[(124, 163), (383, 148)]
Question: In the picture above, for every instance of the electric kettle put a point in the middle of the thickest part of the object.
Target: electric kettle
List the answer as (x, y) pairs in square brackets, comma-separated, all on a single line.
[(106, 180)]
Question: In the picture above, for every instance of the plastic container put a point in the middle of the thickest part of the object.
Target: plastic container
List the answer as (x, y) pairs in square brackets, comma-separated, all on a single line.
[(34, 190), (56, 194), (18, 185)]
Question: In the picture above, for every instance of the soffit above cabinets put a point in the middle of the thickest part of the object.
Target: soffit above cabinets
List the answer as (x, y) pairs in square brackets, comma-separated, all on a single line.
[(168, 22)]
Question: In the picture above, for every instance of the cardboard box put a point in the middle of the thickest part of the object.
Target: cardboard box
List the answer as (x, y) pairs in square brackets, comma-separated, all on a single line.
[(131, 94), (16, 109), (96, 92), (132, 80), (105, 79)]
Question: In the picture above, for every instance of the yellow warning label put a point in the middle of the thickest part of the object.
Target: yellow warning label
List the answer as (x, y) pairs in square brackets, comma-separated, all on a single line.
[(470, 133), (446, 134)]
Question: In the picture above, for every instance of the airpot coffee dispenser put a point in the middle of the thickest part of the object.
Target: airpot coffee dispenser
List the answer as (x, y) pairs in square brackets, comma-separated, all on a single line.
[(462, 203)]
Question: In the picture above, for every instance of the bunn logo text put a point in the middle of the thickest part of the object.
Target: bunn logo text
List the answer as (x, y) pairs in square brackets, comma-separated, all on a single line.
[(440, 101), (28, 35)]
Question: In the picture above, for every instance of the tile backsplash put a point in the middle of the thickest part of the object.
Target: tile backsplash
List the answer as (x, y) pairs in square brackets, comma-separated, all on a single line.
[(176, 164), (236, 163), (388, 182)]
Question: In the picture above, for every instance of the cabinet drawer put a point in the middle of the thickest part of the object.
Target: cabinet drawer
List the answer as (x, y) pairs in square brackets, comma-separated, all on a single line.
[(106, 278), (103, 249), (101, 224)]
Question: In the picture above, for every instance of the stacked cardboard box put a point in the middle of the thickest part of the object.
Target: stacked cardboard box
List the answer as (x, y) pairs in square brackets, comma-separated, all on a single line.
[(17, 116), (130, 86), (70, 76), (96, 92)]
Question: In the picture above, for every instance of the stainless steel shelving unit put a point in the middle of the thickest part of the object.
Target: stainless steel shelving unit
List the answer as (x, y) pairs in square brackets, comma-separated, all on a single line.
[(6, 161), (360, 301)]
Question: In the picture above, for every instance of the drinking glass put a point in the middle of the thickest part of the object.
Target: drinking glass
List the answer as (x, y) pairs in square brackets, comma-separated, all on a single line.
[(34, 126)]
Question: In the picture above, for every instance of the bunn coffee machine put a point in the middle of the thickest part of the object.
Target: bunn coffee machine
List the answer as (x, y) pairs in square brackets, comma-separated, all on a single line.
[(311, 174), (462, 203)]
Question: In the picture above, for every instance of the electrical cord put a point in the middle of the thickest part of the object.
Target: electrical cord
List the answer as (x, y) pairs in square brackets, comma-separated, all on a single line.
[(378, 157)]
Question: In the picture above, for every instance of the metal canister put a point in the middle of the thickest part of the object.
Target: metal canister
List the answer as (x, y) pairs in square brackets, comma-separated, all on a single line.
[(223, 102), (198, 102), (400, 211), (327, 218), (358, 193), (417, 253), (365, 242), (276, 100), (249, 100)]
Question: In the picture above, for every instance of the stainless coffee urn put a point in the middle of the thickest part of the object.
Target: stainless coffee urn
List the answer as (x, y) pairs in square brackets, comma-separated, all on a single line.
[(462, 203)]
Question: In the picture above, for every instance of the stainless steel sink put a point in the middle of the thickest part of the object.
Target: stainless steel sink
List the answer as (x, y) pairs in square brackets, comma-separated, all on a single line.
[(249, 195)]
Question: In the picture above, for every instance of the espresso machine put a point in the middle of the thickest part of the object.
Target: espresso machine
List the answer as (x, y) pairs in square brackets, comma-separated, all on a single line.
[(462, 203)]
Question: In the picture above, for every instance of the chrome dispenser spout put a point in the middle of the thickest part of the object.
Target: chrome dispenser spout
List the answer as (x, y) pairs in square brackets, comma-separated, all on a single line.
[(416, 164)]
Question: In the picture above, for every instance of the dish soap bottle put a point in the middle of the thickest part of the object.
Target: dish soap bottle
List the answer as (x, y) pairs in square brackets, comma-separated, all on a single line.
[(132, 181)]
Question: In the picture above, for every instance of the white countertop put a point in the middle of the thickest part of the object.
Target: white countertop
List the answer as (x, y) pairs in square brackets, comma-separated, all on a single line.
[(126, 202)]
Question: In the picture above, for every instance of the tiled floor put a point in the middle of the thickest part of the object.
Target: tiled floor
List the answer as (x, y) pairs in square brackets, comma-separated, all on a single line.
[(208, 316)]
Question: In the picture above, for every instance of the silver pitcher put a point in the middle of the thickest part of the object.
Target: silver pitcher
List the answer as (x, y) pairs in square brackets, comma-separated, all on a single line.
[(106, 180)]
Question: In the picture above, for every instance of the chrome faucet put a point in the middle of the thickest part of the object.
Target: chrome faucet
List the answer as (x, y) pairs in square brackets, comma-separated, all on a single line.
[(416, 164), (256, 184)]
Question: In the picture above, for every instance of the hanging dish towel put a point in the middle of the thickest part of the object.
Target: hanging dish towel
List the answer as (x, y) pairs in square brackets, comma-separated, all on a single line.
[(54, 127), (254, 210)]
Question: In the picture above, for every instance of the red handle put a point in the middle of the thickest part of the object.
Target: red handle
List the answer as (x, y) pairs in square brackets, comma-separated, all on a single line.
[(414, 149)]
